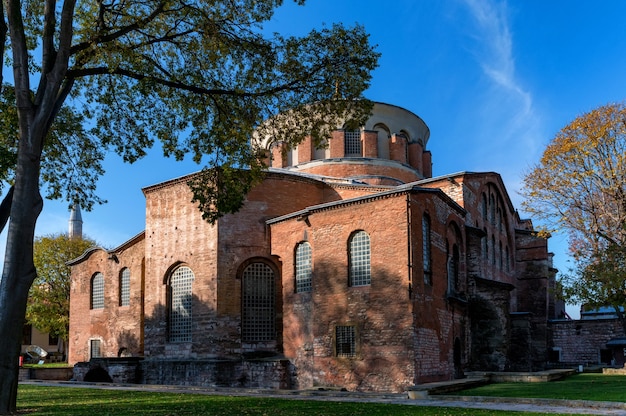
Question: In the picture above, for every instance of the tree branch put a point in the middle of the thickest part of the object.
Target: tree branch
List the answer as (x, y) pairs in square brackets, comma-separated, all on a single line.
[(119, 33), (5, 208)]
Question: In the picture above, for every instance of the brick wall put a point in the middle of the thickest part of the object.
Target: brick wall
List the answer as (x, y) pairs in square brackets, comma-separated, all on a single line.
[(115, 326), (580, 341)]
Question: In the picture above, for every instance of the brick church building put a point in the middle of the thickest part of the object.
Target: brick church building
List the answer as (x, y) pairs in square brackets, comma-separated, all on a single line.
[(348, 266)]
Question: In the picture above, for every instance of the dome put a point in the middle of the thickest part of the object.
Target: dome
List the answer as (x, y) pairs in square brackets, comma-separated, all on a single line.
[(390, 149)]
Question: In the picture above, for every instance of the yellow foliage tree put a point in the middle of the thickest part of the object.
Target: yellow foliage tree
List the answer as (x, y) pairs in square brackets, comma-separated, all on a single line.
[(579, 187)]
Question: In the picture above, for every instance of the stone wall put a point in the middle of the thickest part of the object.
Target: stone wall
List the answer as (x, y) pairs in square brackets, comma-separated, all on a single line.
[(580, 342), (263, 373)]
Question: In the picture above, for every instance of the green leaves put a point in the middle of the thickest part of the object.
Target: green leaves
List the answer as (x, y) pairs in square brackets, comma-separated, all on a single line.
[(201, 78)]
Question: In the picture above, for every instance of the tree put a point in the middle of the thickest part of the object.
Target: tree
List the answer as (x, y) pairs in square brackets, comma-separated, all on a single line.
[(48, 306), (579, 186), (200, 76)]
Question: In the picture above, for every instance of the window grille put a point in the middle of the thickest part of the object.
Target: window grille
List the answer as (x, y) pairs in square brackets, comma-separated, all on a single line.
[(304, 268), (95, 348), (97, 291), (345, 341), (259, 315), (180, 305), (359, 261), (352, 143), (125, 287), (428, 279)]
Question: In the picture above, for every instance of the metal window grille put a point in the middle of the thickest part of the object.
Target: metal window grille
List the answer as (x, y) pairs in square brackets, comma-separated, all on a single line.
[(259, 313), (426, 250), (97, 291), (360, 274), (345, 341), (352, 143), (125, 287), (304, 269), (94, 346), (180, 305)]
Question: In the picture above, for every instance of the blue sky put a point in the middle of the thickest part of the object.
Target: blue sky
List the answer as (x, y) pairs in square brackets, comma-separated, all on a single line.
[(494, 81)]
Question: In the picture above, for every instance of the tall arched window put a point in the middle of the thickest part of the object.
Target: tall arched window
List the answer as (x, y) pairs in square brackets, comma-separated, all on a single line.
[(304, 268), (125, 287), (426, 246), (258, 303), (180, 302), (97, 291), (453, 270), (484, 208), (359, 259)]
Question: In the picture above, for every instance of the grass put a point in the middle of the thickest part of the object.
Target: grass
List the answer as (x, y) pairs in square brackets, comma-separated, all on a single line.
[(46, 365), (597, 387), (57, 401)]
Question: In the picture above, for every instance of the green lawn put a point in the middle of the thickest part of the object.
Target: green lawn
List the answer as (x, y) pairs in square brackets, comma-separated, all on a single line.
[(57, 401), (598, 387)]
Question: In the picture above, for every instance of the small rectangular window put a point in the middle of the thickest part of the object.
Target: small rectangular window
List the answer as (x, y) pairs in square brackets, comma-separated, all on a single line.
[(353, 143), (345, 341), (95, 348)]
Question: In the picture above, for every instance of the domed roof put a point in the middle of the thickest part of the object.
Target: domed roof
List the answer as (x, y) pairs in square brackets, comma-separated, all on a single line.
[(390, 149)]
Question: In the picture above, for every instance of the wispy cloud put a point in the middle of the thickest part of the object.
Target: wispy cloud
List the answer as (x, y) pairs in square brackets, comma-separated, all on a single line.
[(495, 53), (507, 105)]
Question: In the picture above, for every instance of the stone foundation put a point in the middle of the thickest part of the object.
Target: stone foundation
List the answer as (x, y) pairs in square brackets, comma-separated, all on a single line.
[(258, 373)]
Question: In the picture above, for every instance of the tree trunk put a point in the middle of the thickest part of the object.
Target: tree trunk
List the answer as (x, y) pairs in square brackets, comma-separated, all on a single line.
[(18, 273)]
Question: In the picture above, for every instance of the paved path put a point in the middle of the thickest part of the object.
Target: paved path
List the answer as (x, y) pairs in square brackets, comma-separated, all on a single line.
[(581, 407)]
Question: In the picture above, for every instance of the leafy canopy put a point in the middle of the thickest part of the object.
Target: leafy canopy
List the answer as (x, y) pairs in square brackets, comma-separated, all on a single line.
[(197, 76), (579, 186), (72, 159)]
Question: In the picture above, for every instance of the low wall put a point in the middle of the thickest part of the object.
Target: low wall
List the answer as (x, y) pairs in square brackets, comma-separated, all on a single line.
[(253, 373), (615, 371), (118, 370), (262, 373), (61, 374)]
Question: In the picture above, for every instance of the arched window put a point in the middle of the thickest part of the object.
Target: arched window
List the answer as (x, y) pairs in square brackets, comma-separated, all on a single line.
[(483, 207), (507, 259), (484, 245), (180, 302), (125, 287), (383, 140), (453, 270), (304, 269), (97, 291), (258, 300), (359, 259), (426, 246)]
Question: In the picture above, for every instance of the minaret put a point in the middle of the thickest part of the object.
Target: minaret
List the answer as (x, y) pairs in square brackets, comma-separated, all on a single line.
[(75, 223)]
